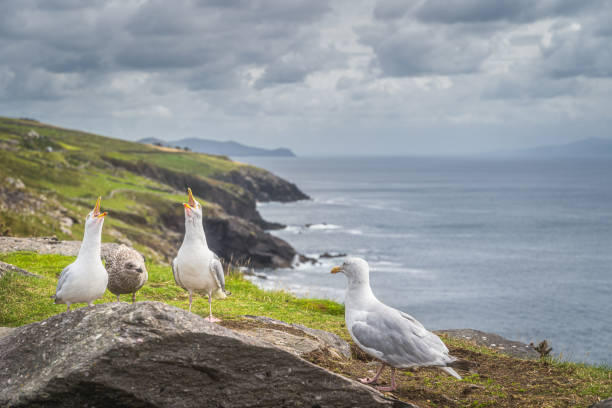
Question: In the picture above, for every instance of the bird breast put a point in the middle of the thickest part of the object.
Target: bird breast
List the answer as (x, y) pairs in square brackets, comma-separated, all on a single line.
[(194, 269)]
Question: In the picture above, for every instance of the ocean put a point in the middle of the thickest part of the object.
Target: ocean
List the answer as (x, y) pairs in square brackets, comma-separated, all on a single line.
[(521, 248)]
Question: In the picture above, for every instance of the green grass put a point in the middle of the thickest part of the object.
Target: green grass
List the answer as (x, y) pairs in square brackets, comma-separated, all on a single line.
[(27, 299)]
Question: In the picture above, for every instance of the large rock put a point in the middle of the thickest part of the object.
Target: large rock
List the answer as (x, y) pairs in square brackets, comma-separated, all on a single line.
[(6, 267), (50, 246), (607, 403), (297, 338), (153, 355), (495, 341), (294, 338)]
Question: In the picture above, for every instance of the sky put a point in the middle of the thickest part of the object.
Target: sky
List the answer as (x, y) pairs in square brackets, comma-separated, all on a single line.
[(320, 77)]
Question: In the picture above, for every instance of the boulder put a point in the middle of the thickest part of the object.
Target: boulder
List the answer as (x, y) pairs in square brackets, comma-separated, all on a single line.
[(5, 331), (6, 267), (494, 341), (321, 340), (150, 354), (294, 338), (49, 246), (607, 403)]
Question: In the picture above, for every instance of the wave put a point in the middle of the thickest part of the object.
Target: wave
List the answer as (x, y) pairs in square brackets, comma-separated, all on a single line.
[(323, 226)]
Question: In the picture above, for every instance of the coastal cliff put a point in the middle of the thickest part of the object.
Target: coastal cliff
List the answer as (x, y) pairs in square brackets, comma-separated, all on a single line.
[(51, 176)]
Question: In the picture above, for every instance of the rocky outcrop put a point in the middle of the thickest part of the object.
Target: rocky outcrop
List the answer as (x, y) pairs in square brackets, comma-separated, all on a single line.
[(236, 240), (254, 184), (494, 341), (264, 185), (49, 246), (5, 267), (607, 403), (151, 354), (294, 338)]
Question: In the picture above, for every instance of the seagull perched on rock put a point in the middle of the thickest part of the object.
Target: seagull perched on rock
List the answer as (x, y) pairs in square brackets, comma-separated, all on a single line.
[(127, 272), (85, 279), (385, 333), (196, 268)]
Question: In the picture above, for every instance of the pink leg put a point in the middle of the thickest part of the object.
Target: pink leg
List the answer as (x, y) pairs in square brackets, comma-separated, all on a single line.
[(68, 307), (393, 386), (190, 298), (133, 297), (211, 318), (117, 299), (368, 380)]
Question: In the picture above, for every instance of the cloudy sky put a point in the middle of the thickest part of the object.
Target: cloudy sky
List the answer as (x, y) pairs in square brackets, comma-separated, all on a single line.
[(341, 77)]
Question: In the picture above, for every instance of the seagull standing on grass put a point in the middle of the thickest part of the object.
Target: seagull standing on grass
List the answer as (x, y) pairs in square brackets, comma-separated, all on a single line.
[(196, 268), (85, 279), (385, 333)]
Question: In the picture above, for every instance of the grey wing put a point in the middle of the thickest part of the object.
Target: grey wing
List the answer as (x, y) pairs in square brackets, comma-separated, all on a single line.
[(175, 272), (217, 272), (62, 278), (399, 339)]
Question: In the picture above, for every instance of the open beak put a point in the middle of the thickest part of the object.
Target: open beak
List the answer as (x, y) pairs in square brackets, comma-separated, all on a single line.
[(336, 269), (190, 200), (96, 210)]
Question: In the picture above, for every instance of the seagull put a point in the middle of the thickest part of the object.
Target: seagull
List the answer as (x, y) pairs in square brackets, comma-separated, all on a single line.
[(85, 279), (127, 272), (385, 333), (196, 268)]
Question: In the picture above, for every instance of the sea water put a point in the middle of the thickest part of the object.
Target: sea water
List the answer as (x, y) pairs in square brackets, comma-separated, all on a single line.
[(522, 248)]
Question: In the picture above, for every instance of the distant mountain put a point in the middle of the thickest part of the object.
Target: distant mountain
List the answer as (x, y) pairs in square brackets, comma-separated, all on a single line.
[(592, 147), (216, 147)]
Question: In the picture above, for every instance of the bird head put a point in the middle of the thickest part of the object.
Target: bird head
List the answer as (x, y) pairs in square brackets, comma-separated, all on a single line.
[(356, 270), (95, 218), (134, 267), (193, 209)]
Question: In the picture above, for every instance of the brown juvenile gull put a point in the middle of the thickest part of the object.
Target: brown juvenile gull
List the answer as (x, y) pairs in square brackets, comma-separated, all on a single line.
[(196, 268), (385, 333), (126, 271), (85, 279)]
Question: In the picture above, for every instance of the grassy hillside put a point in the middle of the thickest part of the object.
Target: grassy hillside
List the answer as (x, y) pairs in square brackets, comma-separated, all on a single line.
[(496, 381), (51, 177)]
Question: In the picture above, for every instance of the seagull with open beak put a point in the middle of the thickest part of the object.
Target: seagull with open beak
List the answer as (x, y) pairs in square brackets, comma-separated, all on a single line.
[(85, 280), (196, 268)]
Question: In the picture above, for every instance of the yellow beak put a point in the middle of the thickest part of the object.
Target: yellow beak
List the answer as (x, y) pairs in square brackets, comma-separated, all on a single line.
[(96, 210), (336, 269), (190, 200)]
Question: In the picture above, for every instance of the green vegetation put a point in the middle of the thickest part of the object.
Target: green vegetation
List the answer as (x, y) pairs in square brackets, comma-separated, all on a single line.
[(27, 299), (64, 171), (497, 380)]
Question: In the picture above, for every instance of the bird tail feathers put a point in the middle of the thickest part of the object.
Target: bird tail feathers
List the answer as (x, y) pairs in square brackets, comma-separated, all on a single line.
[(450, 371)]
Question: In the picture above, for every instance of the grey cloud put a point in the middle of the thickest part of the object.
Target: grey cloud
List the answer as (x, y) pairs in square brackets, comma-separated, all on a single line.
[(527, 87), (257, 68), (414, 52), (574, 51), (391, 9), (474, 11)]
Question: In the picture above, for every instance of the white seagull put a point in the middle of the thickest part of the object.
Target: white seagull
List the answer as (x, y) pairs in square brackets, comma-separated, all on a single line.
[(385, 333), (196, 268), (85, 279)]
